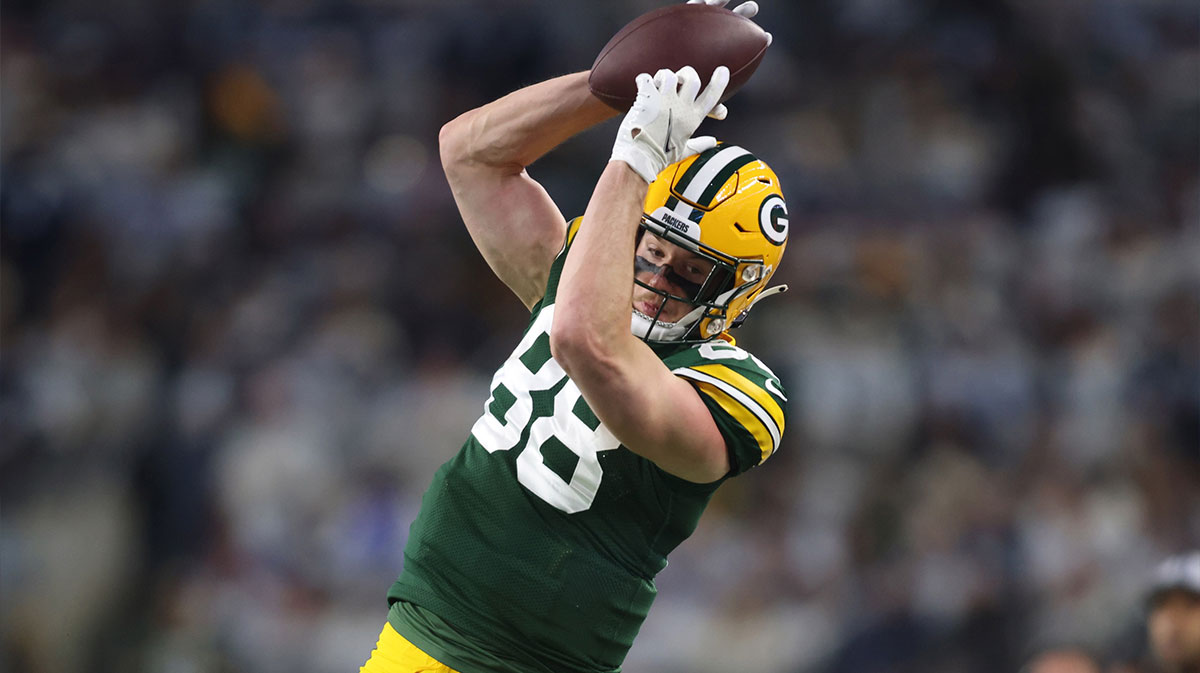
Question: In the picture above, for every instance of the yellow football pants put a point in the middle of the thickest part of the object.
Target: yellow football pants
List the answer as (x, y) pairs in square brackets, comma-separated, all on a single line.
[(394, 654)]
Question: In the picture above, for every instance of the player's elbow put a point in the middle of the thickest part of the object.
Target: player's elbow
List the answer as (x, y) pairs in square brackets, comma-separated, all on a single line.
[(467, 150), (705, 469), (697, 453), (452, 144), (578, 348), (569, 345), (698, 459)]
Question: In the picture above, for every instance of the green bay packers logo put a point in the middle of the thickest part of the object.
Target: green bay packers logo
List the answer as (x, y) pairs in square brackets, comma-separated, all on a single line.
[(773, 219)]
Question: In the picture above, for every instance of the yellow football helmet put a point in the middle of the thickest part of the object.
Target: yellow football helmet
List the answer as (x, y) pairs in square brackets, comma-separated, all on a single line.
[(724, 205)]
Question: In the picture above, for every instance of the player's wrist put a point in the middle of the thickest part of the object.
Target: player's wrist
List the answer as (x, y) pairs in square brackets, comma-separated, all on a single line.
[(631, 170), (640, 158)]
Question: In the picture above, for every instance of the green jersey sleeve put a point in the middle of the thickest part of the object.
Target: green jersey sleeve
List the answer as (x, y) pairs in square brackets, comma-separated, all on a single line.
[(746, 399)]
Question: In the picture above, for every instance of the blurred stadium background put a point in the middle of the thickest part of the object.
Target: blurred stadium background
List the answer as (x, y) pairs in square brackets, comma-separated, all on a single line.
[(242, 325)]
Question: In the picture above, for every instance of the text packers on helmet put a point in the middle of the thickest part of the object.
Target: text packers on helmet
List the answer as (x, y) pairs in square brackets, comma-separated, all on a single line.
[(726, 206)]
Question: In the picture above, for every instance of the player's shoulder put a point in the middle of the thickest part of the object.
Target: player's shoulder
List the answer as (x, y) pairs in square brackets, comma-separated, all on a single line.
[(746, 398), (720, 356), (725, 365), (556, 268), (572, 229), (561, 257)]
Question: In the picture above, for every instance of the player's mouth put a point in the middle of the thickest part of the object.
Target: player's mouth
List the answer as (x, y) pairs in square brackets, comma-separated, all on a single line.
[(649, 309)]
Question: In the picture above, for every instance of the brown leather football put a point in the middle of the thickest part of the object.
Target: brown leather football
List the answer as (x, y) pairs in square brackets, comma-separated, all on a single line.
[(698, 35)]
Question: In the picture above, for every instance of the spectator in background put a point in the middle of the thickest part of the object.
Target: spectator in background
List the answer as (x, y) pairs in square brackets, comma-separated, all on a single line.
[(1062, 660), (1173, 622)]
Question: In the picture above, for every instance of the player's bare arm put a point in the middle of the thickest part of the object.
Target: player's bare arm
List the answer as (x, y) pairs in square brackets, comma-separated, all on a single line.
[(653, 412), (511, 218)]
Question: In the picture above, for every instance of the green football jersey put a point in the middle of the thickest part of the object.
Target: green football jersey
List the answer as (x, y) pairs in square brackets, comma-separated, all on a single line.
[(537, 544)]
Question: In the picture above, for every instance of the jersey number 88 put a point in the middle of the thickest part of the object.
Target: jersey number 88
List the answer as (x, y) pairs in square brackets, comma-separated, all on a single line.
[(530, 376)]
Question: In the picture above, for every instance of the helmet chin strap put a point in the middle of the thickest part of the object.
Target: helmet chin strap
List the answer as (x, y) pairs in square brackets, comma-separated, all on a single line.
[(661, 330)]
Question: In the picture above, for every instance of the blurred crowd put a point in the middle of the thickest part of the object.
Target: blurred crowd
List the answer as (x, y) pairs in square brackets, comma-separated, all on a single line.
[(241, 325)]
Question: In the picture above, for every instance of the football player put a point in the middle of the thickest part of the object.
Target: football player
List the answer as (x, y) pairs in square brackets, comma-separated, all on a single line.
[(625, 404)]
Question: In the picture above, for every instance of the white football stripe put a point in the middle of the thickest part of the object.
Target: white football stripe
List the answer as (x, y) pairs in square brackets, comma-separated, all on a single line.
[(684, 212), (693, 191)]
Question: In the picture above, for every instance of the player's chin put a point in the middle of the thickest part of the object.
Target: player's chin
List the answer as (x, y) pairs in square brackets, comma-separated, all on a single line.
[(672, 312)]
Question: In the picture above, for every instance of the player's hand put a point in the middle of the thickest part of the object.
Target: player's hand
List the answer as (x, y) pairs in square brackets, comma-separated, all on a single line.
[(748, 9), (657, 130)]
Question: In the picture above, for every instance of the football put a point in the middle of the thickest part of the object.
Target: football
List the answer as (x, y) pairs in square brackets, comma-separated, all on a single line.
[(698, 35)]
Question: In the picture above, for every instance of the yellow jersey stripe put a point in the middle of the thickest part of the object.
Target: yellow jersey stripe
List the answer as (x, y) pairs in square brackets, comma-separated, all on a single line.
[(573, 228), (737, 394), (743, 409), (748, 387), (747, 420)]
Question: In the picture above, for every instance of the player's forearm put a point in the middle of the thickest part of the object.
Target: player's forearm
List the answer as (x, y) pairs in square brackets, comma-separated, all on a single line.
[(516, 130), (653, 413), (595, 292)]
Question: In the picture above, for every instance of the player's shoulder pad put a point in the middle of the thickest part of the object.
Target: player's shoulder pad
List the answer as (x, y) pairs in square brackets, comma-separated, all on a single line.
[(741, 385)]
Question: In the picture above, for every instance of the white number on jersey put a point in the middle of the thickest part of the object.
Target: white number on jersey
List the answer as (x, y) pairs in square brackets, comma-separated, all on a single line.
[(528, 371)]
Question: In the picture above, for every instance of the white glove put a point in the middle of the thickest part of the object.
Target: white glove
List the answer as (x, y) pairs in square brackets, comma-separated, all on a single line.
[(747, 9), (657, 130)]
